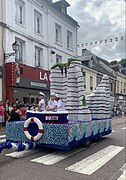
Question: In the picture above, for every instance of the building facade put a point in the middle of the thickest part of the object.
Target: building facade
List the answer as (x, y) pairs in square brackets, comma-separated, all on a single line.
[(120, 96), (97, 67), (46, 34)]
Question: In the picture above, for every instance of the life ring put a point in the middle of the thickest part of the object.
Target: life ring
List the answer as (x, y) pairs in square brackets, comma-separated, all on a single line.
[(40, 129)]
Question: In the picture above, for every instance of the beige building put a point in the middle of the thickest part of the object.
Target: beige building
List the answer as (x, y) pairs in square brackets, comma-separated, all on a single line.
[(94, 68), (90, 79), (121, 88), (120, 95)]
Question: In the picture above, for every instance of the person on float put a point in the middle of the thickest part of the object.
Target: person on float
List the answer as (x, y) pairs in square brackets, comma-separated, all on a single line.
[(15, 114), (41, 105), (60, 104), (52, 104)]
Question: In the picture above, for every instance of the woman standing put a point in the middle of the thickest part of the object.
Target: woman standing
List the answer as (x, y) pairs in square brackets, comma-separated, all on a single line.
[(15, 114)]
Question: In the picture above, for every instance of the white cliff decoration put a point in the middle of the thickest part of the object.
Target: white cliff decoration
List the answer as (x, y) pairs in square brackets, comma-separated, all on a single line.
[(67, 81)]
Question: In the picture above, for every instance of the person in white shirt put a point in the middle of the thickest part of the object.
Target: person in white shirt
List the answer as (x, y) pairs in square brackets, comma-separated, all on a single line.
[(41, 105), (52, 104), (60, 104)]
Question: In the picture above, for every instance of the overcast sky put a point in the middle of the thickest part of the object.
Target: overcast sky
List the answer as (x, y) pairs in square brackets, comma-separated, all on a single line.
[(100, 20)]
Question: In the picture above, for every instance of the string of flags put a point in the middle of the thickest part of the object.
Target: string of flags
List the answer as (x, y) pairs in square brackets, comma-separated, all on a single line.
[(101, 41)]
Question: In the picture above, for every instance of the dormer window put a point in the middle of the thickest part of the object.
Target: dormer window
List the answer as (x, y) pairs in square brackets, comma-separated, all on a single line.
[(63, 9)]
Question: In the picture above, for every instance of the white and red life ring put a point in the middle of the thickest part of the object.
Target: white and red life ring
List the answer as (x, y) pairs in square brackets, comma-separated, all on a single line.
[(40, 129)]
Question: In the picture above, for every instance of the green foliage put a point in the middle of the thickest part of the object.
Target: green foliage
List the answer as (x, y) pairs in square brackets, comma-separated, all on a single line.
[(122, 62)]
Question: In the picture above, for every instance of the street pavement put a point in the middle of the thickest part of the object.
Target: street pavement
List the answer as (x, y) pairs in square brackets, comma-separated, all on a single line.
[(103, 160)]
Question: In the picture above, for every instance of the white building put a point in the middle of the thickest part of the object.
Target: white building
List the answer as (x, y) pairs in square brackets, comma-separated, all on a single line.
[(46, 34)]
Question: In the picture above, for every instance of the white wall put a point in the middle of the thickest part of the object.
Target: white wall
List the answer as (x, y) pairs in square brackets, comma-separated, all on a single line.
[(47, 40)]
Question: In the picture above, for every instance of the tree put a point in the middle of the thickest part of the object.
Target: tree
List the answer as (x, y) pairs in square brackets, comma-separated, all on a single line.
[(122, 62)]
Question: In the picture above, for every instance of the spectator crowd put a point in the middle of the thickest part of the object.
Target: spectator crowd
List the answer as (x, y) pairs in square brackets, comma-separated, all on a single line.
[(17, 110)]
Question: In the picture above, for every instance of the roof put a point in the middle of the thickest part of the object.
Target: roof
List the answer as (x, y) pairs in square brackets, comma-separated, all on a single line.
[(96, 65), (58, 5)]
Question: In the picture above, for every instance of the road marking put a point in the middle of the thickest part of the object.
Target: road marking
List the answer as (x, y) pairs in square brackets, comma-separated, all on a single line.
[(55, 157), (121, 174), (2, 140), (22, 153), (123, 128), (2, 136), (92, 163)]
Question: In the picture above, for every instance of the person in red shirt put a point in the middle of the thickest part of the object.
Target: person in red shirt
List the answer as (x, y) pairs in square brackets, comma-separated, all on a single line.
[(2, 109)]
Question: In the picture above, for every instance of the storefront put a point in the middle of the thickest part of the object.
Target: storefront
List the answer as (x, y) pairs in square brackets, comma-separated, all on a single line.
[(121, 99), (1, 76), (24, 83)]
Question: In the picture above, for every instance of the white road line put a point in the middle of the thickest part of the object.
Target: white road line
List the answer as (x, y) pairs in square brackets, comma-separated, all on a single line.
[(92, 163), (2, 136), (123, 176), (22, 153), (2, 140), (55, 157), (123, 128)]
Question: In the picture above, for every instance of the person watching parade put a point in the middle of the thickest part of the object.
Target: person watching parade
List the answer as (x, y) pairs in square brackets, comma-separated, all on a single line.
[(15, 114)]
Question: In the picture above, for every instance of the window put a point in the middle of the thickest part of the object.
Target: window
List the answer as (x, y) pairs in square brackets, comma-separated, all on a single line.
[(121, 88), (58, 58), (38, 56), (58, 34), (91, 83), (84, 79), (124, 88), (117, 86), (37, 22), (20, 12), (69, 40), (19, 57), (63, 9)]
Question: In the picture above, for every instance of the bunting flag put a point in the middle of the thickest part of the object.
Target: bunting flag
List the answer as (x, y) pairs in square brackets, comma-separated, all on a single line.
[(101, 41)]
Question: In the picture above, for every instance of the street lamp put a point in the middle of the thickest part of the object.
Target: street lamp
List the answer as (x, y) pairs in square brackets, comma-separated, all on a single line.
[(15, 47)]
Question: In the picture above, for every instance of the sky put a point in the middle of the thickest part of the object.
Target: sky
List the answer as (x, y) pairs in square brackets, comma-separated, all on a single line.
[(100, 20)]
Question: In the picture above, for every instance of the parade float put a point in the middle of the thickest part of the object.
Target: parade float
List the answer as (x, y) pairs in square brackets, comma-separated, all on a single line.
[(85, 119)]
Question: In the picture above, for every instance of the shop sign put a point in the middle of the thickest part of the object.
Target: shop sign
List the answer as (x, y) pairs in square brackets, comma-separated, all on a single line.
[(34, 84), (1, 71), (121, 97), (44, 77)]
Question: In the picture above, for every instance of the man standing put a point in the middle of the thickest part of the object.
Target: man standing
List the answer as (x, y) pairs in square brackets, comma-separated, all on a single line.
[(41, 105), (52, 104)]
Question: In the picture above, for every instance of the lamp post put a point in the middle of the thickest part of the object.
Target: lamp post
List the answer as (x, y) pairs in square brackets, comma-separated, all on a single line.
[(15, 47)]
